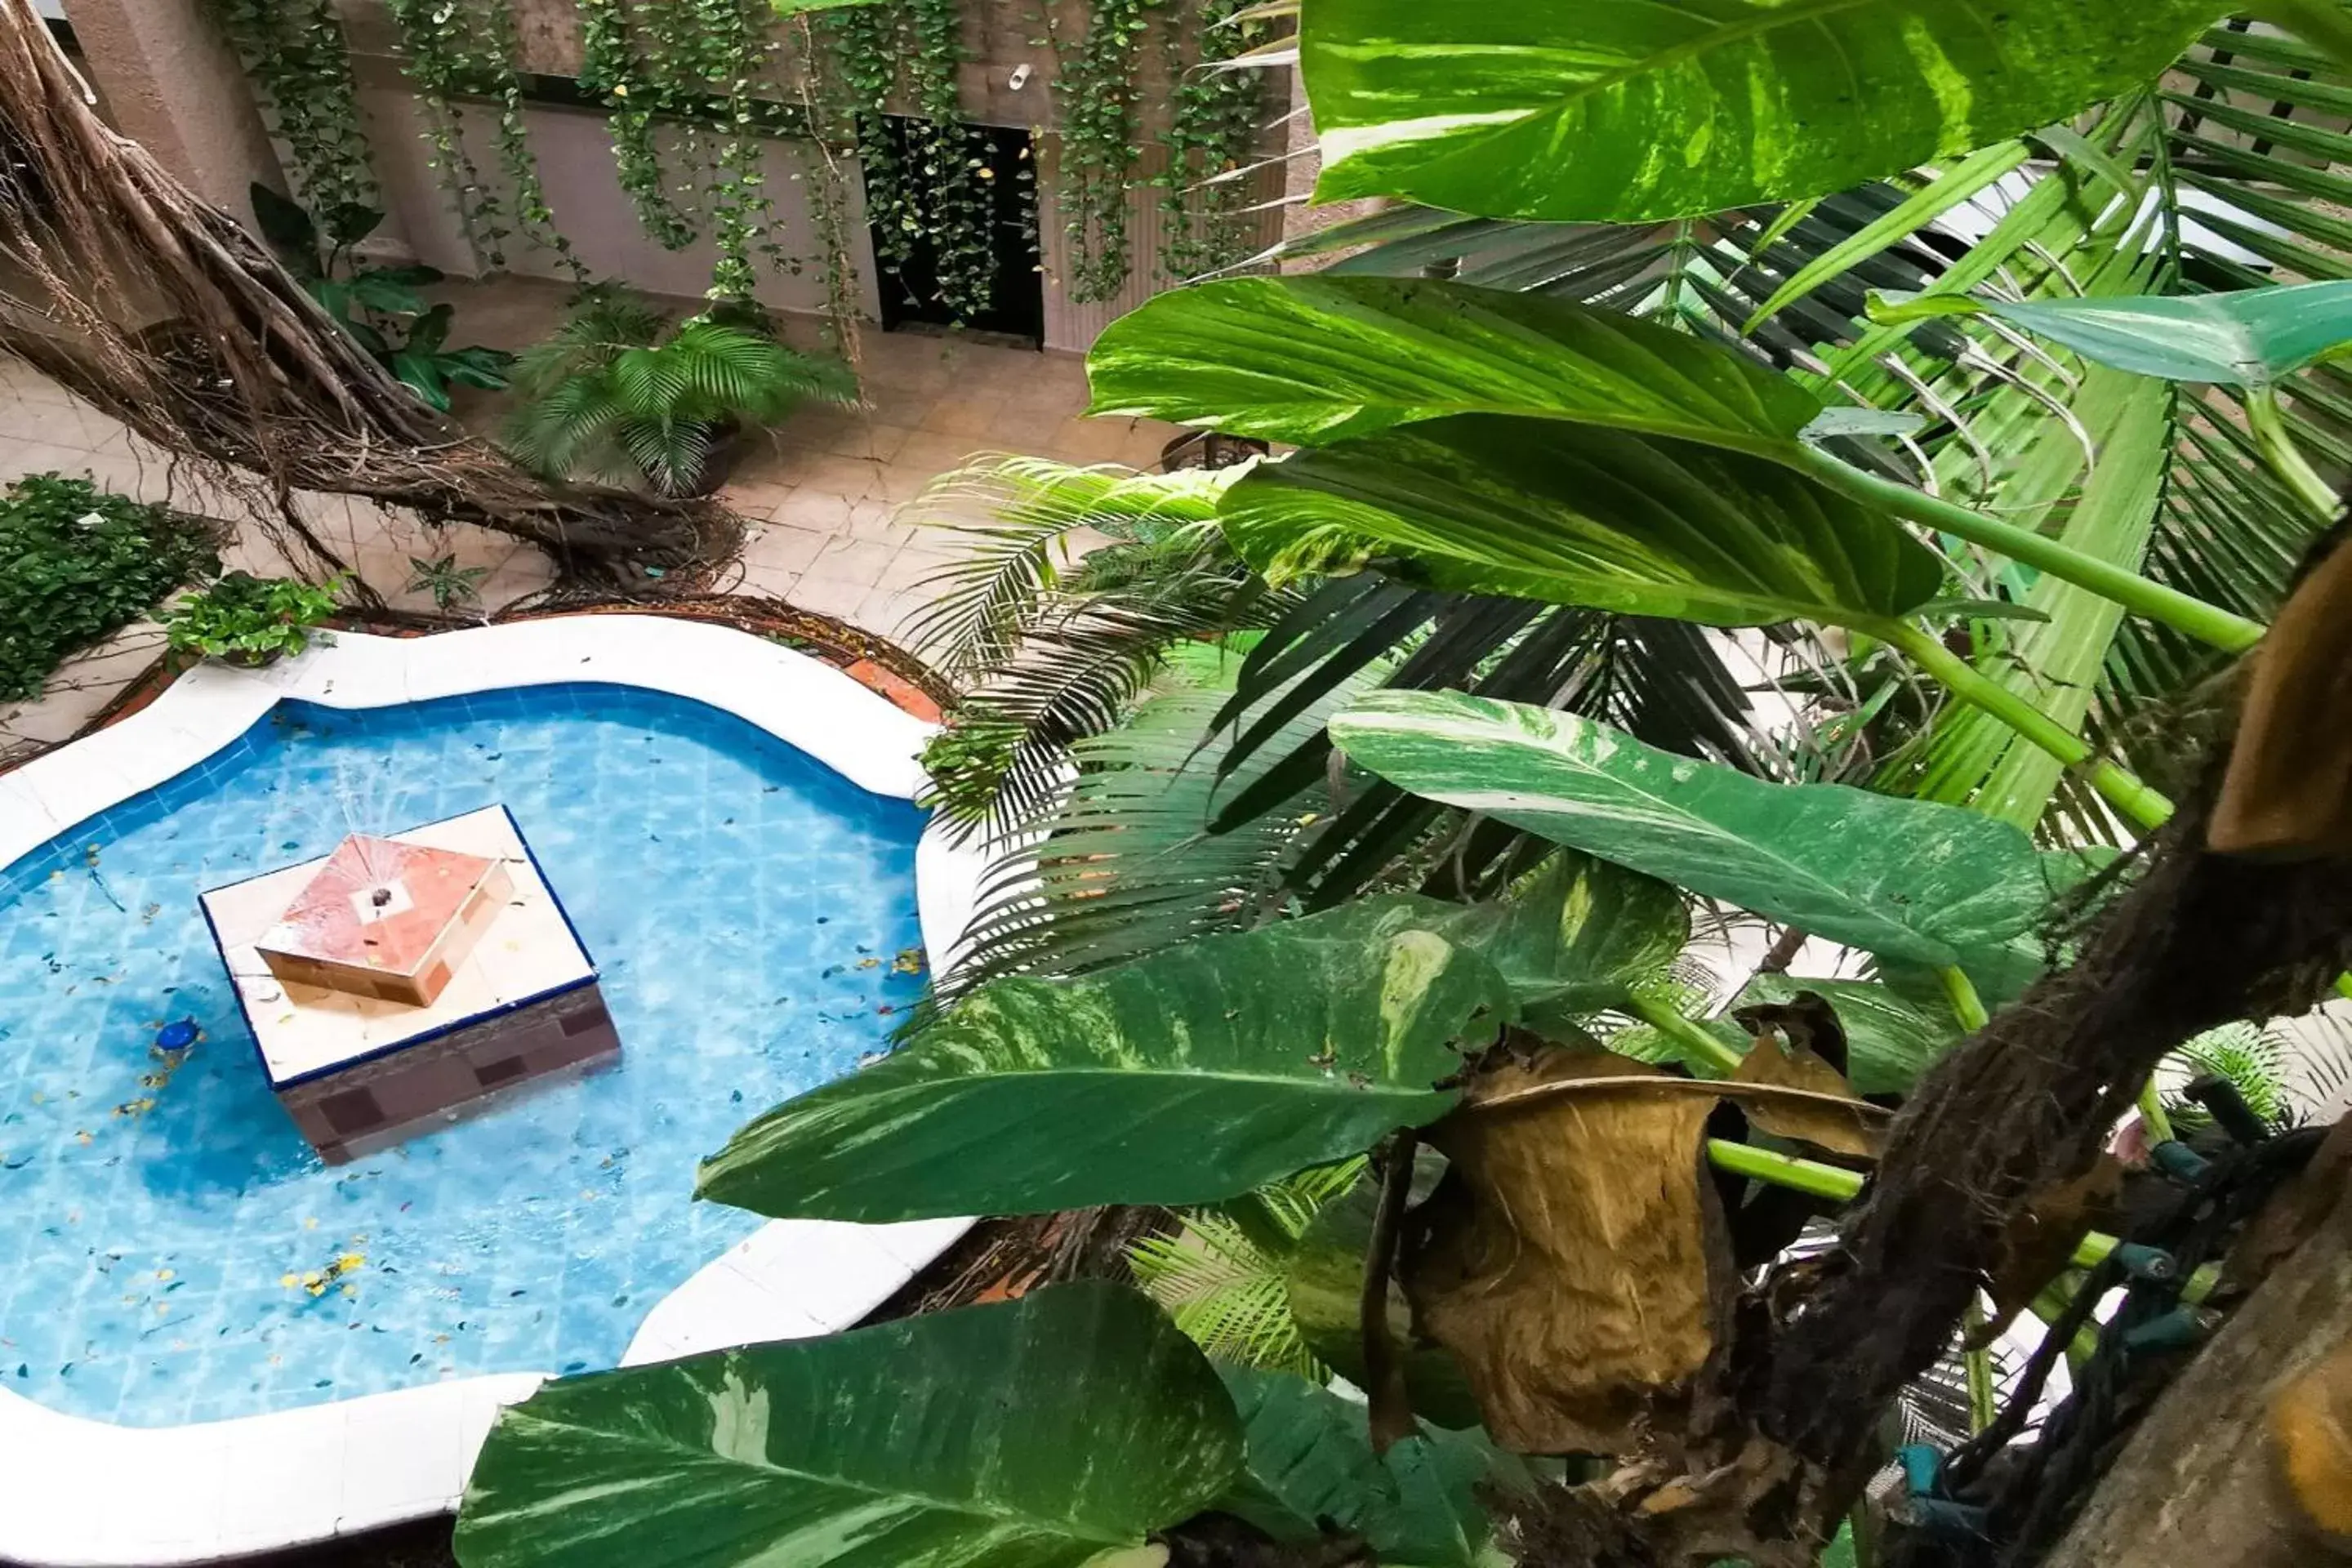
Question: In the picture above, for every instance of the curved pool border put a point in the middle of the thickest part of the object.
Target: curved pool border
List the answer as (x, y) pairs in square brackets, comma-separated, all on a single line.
[(77, 1492)]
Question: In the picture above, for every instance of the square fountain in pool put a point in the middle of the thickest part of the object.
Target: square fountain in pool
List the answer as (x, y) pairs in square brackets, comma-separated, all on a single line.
[(397, 980)]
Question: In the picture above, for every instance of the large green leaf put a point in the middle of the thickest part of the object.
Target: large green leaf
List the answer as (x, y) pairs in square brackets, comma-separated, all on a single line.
[(1314, 359), (1627, 110), (1580, 940), (1890, 1040), (1184, 1077), (1310, 1458), (1037, 1432), (1579, 515), (2249, 337), (1902, 878)]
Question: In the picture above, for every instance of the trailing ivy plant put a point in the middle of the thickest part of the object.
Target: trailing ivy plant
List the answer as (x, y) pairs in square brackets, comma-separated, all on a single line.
[(296, 54), (455, 51), (934, 188), (611, 69), (861, 46), (1212, 136), (958, 204), (743, 213), (824, 177), (1095, 94)]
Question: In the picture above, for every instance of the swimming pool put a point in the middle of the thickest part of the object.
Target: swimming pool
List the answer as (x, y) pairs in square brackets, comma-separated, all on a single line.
[(160, 1225)]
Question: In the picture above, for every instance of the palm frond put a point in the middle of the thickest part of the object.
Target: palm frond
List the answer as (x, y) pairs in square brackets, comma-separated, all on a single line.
[(1122, 862), (1224, 1294), (1223, 1281), (1022, 522)]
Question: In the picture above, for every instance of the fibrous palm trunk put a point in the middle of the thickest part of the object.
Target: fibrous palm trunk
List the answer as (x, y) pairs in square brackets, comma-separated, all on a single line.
[(160, 312)]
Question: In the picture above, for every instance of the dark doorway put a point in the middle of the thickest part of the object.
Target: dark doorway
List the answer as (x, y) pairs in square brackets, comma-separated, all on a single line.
[(1016, 295)]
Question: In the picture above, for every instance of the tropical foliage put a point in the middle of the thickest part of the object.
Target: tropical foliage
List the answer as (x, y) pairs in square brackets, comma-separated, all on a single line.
[(377, 305), (621, 396), (1333, 829)]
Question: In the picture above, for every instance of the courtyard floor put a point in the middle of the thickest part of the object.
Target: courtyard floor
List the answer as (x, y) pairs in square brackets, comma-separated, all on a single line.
[(823, 494)]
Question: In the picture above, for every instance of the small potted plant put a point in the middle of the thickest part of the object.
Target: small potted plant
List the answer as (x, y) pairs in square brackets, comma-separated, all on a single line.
[(248, 620), (621, 396)]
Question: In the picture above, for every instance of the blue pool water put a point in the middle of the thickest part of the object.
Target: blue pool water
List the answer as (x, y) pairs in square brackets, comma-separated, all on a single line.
[(745, 904)]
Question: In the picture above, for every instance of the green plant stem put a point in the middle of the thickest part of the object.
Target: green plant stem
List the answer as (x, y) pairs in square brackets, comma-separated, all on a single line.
[(2207, 623), (1842, 1185), (2151, 1112), (2051, 1306), (2286, 459), (2143, 808), (1700, 1049), (1967, 1005), (1830, 1181), (1984, 1398)]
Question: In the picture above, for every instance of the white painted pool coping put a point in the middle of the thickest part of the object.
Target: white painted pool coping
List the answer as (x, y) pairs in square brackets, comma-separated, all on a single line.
[(77, 1492)]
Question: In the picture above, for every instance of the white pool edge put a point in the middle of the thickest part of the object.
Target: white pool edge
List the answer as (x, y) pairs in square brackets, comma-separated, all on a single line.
[(77, 1492)]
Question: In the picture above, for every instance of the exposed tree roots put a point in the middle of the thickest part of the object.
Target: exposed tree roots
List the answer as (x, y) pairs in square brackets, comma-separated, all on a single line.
[(2196, 940), (1784, 1431), (164, 313)]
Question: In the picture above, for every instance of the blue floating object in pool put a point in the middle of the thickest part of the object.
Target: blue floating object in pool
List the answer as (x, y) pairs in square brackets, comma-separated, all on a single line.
[(176, 1035)]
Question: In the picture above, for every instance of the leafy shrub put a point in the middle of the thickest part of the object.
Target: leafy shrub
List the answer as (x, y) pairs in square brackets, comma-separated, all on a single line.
[(250, 620), (78, 565), (377, 305), (619, 395)]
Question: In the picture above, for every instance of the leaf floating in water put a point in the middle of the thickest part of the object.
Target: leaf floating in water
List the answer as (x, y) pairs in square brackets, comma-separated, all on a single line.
[(909, 961)]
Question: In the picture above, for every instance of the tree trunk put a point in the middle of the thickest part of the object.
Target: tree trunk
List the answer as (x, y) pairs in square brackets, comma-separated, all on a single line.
[(2202, 1480), (162, 312)]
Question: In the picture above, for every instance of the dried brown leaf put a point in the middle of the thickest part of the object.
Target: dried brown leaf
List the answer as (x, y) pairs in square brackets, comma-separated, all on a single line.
[(1823, 1123), (1573, 1261), (2288, 789)]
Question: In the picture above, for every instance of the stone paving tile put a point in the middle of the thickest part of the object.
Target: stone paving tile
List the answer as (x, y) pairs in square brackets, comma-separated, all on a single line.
[(822, 492)]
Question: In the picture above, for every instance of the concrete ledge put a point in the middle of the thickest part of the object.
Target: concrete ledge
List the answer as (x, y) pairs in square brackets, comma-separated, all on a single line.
[(75, 1491)]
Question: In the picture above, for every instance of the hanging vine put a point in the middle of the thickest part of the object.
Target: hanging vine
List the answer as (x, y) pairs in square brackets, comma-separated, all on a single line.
[(454, 52), (862, 48), (1211, 138), (832, 124), (958, 206), (933, 189), (1095, 94), (296, 54), (743, 213), (611, 69)]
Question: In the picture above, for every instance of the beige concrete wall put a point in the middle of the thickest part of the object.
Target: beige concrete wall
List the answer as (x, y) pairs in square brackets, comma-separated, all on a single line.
[(172, 84), (1072, 325), (574, 152)]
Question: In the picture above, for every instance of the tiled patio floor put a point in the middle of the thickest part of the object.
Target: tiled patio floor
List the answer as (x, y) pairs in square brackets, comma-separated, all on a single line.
[(820, 492)]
